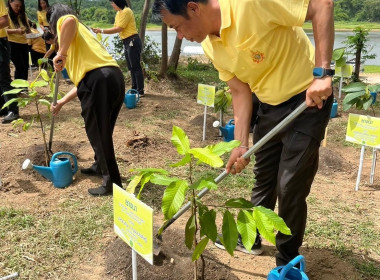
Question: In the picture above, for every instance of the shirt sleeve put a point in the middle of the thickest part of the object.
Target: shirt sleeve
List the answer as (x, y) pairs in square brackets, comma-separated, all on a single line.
[(3, 10), (124, 18), (62, 19)]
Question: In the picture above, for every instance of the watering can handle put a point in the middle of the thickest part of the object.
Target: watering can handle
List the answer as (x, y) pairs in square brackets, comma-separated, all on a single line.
[(71, 155), (231, 121), (134, 91), (291, 264)]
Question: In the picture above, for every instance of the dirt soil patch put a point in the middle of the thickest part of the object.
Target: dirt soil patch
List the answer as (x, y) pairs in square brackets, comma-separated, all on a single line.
[(142, 139)]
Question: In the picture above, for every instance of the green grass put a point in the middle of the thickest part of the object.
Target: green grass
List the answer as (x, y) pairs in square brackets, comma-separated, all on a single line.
[(371, 69), (343, 25), (71, 231)]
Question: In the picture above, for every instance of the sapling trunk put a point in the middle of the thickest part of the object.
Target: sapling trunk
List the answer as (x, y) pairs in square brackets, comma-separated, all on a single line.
[(43, 135)]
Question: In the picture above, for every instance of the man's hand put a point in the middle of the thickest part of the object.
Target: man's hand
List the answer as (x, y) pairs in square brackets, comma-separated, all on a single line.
[(237, 163), (59, 62), (319, 90)]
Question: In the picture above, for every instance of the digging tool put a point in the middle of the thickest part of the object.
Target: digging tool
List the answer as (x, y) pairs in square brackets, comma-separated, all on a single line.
[(56, 86), (254, 148)]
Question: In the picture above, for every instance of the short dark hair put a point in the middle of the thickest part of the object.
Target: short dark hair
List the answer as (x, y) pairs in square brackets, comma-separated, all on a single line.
[(56, 11), (175, 7), (39, 4), (120, 3), (47, 35)]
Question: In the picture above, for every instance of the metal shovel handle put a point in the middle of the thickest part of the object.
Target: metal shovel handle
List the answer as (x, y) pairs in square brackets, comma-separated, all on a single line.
[(55, 96), (246, 155)]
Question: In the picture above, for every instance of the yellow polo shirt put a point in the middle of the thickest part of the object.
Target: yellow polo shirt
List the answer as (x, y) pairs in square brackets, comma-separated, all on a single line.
[(263, 44), (85, 52), (126, 20), (17, 38), (41, 16), (3, 12), (38, 44)]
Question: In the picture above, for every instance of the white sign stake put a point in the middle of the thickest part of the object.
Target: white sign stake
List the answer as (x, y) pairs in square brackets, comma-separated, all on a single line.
[(134, 265), (373, 167), (204, 124), (360, 168)]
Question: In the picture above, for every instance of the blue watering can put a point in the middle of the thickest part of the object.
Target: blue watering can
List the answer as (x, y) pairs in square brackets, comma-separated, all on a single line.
[(228, 131), (60, 171), (131, 98), (289, 271)]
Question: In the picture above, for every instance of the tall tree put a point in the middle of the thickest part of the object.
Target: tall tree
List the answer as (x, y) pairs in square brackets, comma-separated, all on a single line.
[(164, 50), (76, 5), (174, 58), (144, 18)]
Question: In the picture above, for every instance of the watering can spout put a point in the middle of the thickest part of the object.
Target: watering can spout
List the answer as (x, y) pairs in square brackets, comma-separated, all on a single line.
[(44, 171)]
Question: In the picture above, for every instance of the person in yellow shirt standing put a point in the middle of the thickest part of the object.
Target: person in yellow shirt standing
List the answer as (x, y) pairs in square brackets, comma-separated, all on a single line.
[(18, 28), (99, 85), (43, 5), (259, 46), (5, 74), (125, 25)]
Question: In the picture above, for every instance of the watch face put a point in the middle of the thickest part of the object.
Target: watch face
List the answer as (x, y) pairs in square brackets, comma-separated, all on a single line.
[(318, 72)]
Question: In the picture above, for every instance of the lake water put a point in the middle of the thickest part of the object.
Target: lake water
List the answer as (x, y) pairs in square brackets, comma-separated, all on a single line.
[(340, 37)]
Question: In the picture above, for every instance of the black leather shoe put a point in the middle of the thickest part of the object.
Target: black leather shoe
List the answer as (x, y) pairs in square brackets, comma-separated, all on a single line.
[(3, 112), (101, 191), (92, 171), (10, 117)]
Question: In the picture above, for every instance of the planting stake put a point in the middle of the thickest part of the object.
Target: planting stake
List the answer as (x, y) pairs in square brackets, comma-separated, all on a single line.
[(373, 167), (360, 168), (11, 276), (224, 174), (134, 265), (56, 86), (204, 124)]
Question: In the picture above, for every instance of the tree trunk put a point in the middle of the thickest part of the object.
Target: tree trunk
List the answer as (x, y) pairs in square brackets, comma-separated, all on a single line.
[(129, 4), (357, 63), (144, 18), (173, 61), (164, 55)]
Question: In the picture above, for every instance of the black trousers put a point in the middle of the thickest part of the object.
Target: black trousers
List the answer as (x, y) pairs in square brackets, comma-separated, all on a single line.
[(5, 76), (101, 93), (20, 59), (285, 167), (132, 52)]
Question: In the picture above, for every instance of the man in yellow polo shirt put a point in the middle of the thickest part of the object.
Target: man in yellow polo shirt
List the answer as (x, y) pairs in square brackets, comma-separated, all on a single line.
[(259, 46), (5, 74)]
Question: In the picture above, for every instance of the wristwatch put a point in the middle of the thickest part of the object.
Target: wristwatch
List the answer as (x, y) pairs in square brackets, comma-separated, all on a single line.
[(320, 72)]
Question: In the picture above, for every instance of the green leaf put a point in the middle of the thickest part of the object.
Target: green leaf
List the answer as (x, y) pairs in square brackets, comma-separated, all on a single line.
[(340, 62), (230, 233), (20, 83), (9, 102), (173, 198), (133, 183), (353, 87), (374, 88), (264, 226), (39, 84), (33, 93), (185, 160), (44, 75), (199, 249), (13, 91), (224, 147), (368, 103), (180, 140), (145, 179), (350, 97), (338, 53), (18, 122), (42, 60), (348, 105), (189, 232), (274, 219), (246, 226), (23, 102), (208, 225), (206, 156), (162, 180), (44, 102), (239, 203), (204, 183), (26, 126)]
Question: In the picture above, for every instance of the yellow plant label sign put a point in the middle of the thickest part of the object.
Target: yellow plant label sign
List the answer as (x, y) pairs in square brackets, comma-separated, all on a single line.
[(133, 222), (206, 95), (363, 130), (344, 71)]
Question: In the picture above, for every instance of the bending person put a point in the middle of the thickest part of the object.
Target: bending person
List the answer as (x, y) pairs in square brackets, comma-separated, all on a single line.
[(125, 25), (99, 85)]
